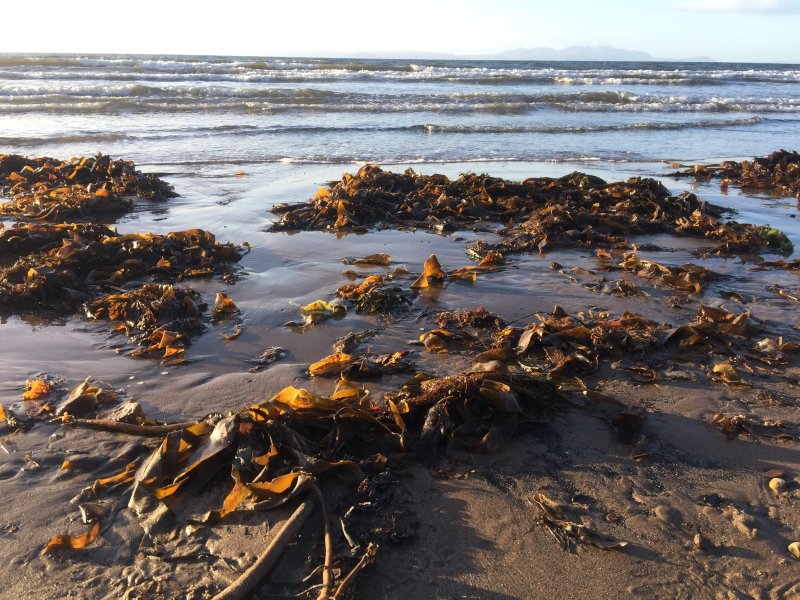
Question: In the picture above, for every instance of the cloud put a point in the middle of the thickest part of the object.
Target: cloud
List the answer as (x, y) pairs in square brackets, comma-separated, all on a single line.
[(743, 6)]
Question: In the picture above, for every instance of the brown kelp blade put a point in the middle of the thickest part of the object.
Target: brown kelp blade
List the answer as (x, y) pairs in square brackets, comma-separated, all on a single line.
[(73, 542)]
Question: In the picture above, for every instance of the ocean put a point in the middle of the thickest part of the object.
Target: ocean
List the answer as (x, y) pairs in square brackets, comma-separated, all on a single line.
[(207, 110)]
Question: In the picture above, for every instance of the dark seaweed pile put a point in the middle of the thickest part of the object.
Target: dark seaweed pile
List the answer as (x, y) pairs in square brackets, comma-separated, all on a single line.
[(49, 263), (45, 189), (575, 210), (779, 172)]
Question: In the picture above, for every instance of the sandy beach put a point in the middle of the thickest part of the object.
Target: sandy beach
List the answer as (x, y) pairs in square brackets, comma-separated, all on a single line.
[(695, 508), (651, 469)]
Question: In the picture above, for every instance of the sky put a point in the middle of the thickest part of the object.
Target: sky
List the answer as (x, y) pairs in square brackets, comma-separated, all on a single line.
[(725, 30)]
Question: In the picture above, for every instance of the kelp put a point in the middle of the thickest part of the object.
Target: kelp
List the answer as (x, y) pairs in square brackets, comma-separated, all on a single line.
[(712, 326), (349, 342), (26, 238), (160, 318), (373, 197), (477, 411), (66, 277), (87, 397), (478, 318), (377, 295), (687, 278), (372, 366), (576, 210), (779, 172), (267, 357), (276, 451), (45, 189), (73, 542)]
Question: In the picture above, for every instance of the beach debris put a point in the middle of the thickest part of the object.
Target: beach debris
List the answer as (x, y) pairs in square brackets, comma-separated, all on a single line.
[(267, 357), (45, 189), (779, 172), (734, 425), (352, 340), (570, 533), (128, 412)]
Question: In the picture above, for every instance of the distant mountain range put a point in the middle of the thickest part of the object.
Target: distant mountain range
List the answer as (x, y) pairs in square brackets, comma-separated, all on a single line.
[(571, 53)]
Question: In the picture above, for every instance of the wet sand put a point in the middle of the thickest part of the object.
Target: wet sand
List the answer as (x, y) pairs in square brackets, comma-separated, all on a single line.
[(465, 527)]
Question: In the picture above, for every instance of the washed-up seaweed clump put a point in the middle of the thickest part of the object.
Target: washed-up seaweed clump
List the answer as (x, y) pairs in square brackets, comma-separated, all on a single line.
[(377, 295), (779, 172), (71, 274), (540, 213), (45, 189), (27, 238), (160, 318), (608, 216), (66, 265)]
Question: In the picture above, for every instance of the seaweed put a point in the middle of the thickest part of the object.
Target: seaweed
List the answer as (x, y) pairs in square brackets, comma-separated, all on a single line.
[(576, 210), (778, 172), (67, 276), (159, 318), (45, 189)]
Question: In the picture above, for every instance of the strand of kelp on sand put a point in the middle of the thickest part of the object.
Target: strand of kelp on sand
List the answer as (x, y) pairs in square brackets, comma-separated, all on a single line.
[(296, 447)]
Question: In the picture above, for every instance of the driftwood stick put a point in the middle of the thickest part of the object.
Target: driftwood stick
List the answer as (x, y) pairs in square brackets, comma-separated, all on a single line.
[(324, 593), (367, 558), (243, 586)]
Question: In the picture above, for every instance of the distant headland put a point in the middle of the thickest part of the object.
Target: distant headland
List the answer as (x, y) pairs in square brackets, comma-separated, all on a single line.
[(570, 53)]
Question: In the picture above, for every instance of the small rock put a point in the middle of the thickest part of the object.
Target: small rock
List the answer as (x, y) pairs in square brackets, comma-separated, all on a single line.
[(711, 499), (699, 542), (130, 412), (492, 366), (744, 523), (667, 514)]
